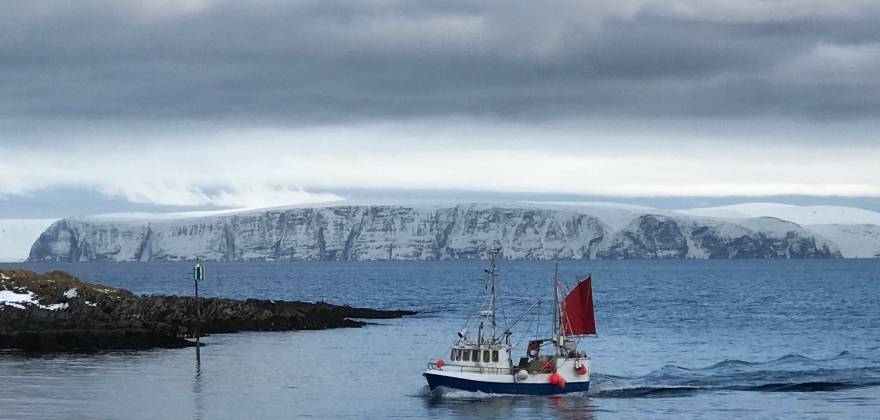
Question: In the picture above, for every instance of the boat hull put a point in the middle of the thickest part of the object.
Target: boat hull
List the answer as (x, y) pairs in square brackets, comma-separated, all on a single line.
[(489, 387)]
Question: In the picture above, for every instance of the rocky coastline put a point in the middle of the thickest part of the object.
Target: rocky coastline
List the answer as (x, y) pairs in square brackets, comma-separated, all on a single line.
[(57, 312)]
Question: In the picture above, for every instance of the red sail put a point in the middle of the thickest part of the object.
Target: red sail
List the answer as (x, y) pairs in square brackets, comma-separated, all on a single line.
[(577, 310)]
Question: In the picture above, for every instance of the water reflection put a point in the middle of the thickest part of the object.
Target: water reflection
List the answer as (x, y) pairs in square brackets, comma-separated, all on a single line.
[(503, 406), (489, 407), (198, 398), (573, 408)]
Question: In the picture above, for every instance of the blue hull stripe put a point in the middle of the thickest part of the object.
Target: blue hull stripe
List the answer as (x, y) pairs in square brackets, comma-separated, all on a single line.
[(499, 388)]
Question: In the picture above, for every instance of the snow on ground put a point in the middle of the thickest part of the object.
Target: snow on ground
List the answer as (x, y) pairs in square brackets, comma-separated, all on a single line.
[(141, 216), (854, 241), (18, 300), (17, 236), (340, 203), (802, 215), (615, 215), (10, 298), (596, 204)]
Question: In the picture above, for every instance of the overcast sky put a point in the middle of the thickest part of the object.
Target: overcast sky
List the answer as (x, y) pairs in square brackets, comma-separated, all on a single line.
[(264, 103)]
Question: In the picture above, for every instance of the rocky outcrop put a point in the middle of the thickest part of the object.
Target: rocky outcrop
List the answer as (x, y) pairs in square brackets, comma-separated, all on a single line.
[(466, 231), (57, 312), (647, 237)]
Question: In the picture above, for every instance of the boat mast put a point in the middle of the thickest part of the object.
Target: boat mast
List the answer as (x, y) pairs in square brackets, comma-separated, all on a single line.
[(492, 254), (557, 312), (555, 299)]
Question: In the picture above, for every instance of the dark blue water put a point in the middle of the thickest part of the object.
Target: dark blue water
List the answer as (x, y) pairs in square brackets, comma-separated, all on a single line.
[(683, 339)]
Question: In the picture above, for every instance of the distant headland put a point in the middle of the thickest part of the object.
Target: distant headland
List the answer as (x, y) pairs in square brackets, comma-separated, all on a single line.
[(428, 230)]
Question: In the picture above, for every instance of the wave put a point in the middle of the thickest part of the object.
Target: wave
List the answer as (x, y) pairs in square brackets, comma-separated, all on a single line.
[(789, 373), (674, 391)]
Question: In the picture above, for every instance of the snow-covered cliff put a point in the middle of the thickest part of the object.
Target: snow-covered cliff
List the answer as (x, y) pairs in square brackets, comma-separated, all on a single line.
[(349, 232)]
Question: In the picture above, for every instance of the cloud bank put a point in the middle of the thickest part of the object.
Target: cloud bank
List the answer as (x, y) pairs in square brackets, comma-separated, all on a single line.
[(301, 62), (274, 98)]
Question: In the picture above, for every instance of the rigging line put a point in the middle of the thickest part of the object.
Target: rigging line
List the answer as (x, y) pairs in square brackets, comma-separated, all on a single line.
[(447, 353), (538, 315), (529, 328), (475, 304), (478, 302), (567, 321), (503, 314)]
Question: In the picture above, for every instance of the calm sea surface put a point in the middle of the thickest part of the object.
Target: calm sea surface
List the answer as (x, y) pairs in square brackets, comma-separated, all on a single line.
[(677, 339)]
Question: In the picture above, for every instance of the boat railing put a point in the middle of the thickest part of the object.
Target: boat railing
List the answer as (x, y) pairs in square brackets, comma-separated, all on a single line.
[(475, 369)]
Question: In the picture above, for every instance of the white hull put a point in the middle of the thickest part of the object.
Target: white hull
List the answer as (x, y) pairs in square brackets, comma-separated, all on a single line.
[(473, 379)]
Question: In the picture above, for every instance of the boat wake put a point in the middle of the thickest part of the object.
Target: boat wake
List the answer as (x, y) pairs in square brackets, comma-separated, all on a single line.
[(449, 393), (791, 373)]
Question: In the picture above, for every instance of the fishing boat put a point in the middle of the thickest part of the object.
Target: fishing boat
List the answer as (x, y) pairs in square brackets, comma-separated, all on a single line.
[(554, 365)]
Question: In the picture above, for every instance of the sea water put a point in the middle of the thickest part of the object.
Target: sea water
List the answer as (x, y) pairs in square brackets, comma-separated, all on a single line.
[(679, 339)]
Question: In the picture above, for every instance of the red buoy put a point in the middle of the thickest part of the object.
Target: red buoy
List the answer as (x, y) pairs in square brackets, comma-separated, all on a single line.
[(582, 370), (560, 382), (441, 363), (554, 378), (548, 366)]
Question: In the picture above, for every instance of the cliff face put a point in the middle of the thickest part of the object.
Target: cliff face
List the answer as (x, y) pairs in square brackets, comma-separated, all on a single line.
[(660, 237), (352, 233), (357, 233)]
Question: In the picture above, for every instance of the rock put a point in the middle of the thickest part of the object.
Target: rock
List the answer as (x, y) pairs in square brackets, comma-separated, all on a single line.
[(121, 320)]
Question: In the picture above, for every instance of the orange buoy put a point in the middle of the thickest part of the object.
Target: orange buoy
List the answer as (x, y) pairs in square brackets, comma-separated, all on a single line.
[(560, 382), (554, 378), (441, 363), (581, 370)]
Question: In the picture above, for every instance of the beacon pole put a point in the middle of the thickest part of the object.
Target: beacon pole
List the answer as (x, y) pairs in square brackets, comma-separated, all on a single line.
[(198, 275)]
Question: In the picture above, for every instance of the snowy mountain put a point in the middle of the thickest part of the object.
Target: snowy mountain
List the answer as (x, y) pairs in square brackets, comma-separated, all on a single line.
[(357, 231), (855, 231)]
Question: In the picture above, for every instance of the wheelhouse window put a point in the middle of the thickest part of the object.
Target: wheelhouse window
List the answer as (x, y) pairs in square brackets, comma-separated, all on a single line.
[(467, 355), (476, 355), (452, 355), (486, 356), (457, 354), (494, 355)]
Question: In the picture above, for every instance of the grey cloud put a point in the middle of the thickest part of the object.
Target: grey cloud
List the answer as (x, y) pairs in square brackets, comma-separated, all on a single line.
[(294, 63)]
